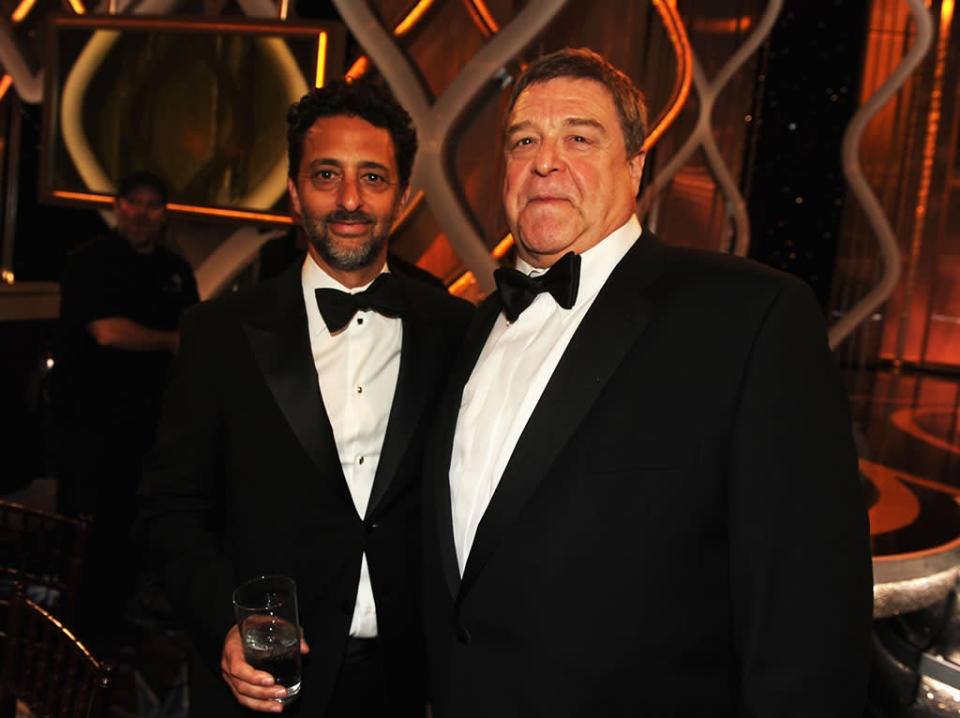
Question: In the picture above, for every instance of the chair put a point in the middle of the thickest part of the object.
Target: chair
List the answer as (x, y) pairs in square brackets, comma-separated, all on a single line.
[(41, 548), (47, 669)]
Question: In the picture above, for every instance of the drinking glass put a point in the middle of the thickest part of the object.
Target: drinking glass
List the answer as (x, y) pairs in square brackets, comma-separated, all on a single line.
[(266, 609)]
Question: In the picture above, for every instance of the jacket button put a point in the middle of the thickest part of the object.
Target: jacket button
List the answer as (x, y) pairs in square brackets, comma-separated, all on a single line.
[(463, 635)]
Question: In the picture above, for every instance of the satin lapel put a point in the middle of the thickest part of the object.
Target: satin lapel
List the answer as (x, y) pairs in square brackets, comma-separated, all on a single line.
[(473, 343), (611, 327), (419, 356), (281, 344)]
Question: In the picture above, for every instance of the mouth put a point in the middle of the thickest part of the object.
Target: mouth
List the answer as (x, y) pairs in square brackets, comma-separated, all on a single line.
[(349, 229), (546, 199), (349, 224)]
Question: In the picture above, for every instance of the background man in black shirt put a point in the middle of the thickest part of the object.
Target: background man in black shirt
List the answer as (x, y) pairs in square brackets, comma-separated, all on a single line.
[(122, 296)]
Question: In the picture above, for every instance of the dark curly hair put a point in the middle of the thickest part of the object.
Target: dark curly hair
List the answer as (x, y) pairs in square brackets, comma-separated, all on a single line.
[(582, 63), (361, 98)]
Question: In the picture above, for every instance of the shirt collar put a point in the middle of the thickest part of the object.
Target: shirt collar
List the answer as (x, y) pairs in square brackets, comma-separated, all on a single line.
[(314, 277), (597, 262)]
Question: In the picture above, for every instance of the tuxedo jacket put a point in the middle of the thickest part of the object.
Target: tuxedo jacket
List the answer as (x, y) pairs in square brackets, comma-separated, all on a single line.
[(245, 479), (680, 530)]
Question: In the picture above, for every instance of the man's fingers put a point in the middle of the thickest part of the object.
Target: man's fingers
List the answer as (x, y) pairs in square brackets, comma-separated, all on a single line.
[(258, 698), (252, 688)]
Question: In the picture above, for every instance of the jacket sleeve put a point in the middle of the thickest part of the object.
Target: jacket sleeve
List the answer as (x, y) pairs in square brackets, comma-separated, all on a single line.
[(799, 538), (180, 493)]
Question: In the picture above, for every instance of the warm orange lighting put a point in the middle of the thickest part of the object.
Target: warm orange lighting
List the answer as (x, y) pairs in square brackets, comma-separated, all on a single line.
[(681, 46), (461, 284), (230, 213), (5, 83), (106, 199), (719, 26), (926, 167), (77, 6), (282, 9), (906, 421), (7, 276), (503, 246), (22, 10), (359, 68), (321, 58), (412, 18), (85, 196), (482, 17), (466, 280)]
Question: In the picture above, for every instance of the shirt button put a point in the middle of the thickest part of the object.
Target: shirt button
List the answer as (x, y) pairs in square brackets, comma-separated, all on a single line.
[(360, 460), (359, 389), (359, 320)]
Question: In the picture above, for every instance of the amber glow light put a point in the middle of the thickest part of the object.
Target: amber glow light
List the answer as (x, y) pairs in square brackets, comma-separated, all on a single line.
[(321, 58), (503, 246), (462, 283), (926, 165), (77, 6), (357, 69), (465, 280), (229, 213), (5, 85), (7, 276), (724, 26), (412, 18), (22, 10), (681, 45), (362, 64), (185, 208), (85, 196), (482, 17)]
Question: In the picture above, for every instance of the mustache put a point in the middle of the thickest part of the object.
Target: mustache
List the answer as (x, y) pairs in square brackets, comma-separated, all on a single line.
[(342, 215)]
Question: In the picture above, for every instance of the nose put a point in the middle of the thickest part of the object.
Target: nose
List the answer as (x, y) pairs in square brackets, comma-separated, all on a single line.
[(547, 159), (349, 194)]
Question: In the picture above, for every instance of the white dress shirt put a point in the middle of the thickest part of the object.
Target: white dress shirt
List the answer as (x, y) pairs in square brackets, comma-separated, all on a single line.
[(357, 370), (510, 375)]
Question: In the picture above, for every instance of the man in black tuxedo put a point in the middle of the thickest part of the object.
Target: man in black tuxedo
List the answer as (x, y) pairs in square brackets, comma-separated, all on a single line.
[(644, 500), (292, 434)]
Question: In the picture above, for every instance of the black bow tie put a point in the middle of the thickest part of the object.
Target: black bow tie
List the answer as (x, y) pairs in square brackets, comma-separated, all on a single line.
[(384, 296), (517, 290)]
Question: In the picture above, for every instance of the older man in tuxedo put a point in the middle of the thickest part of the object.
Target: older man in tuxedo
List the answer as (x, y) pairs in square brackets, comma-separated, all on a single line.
[(645, 498), (293, 431)]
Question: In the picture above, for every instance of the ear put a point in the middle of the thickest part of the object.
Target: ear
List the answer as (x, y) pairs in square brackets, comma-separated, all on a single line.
[(635, 164), (294, 200), (402, 202)]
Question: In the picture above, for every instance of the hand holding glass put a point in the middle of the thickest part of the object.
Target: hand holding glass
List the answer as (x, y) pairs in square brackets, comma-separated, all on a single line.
[(266, 609)]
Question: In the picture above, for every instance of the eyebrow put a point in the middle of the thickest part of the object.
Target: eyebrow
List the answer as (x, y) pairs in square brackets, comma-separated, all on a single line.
[(568, 122), (364, 165)]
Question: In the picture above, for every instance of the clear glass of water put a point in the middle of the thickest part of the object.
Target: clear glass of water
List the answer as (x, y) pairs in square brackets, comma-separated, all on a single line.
[(266, 609)]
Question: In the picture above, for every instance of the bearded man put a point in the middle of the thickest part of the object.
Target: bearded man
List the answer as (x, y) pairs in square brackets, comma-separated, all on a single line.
[(293, 430)]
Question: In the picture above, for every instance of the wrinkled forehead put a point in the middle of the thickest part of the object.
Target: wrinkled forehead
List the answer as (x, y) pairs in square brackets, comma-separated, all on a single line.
[(563, 100)]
